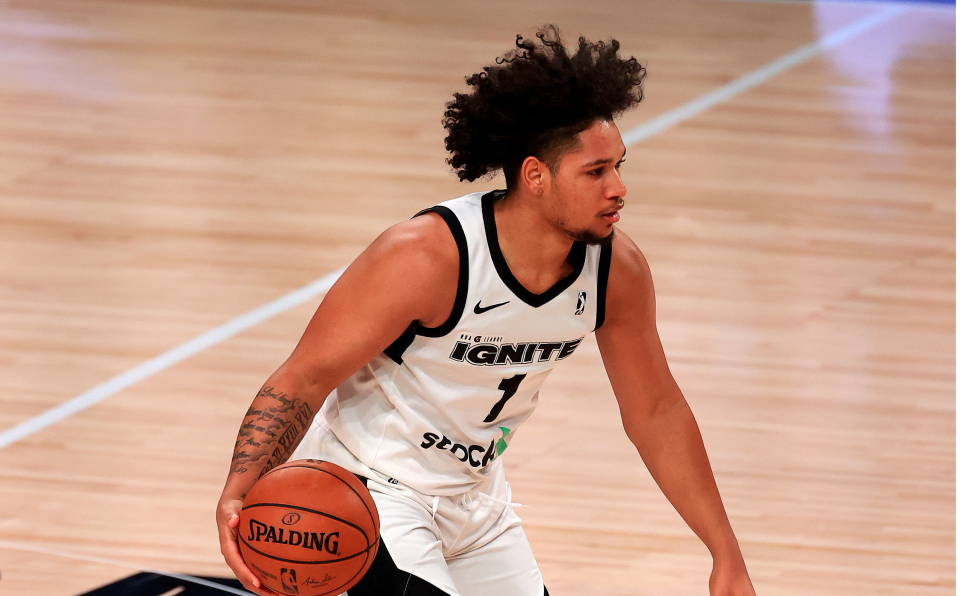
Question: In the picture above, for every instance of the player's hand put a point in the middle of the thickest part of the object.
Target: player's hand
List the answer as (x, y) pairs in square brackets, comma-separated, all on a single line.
[(228, 519), (730, 580)]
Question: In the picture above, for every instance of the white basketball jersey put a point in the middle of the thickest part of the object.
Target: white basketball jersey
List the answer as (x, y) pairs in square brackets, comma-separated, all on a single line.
[(437, 408)]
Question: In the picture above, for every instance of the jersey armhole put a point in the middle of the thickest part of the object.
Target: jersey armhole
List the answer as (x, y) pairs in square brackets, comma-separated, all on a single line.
[(603, 273), (397, 348)]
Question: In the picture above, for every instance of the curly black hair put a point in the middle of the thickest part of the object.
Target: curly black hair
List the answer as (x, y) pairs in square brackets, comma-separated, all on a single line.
[(535, 101)]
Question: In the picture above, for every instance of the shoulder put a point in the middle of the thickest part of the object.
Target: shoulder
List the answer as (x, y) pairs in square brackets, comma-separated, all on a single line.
[(408, 274), (423, 244), (630, 284), (413, 265), (627, 260)]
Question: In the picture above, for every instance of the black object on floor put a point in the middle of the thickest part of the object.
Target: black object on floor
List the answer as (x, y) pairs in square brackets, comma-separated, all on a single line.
[(153, 584)]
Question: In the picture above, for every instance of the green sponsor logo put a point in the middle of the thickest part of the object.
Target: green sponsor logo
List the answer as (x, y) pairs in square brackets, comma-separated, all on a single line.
[(502, 443)]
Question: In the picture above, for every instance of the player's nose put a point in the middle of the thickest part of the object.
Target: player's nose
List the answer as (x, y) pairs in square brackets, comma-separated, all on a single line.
[(616, 188)]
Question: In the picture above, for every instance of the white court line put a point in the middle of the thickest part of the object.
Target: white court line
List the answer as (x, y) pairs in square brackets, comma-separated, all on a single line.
[(168, 359), (267, 311), (759, 76), (31, 548)]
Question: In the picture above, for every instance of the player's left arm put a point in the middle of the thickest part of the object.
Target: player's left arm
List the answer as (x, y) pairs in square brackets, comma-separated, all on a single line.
[(657, 418)]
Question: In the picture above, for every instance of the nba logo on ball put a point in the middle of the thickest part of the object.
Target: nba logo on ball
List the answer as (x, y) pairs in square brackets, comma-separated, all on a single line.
[(288, 579), (309, 528)]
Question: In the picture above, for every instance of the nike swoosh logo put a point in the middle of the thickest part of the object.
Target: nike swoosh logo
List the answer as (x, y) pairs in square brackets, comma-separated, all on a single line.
[(482, 309)]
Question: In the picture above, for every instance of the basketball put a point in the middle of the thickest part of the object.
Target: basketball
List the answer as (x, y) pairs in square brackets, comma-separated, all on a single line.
[(309, 527)]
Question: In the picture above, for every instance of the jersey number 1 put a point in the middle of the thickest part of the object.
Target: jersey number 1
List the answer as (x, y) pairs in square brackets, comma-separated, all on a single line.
[(509, 388)]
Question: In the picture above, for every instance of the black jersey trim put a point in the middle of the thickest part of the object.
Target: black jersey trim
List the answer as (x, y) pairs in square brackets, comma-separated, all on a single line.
[(603, 273), (399, 346), (576, 257), (463, 280)]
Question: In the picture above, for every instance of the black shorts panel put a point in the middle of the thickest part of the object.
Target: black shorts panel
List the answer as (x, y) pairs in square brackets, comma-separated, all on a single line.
[(384, 579)]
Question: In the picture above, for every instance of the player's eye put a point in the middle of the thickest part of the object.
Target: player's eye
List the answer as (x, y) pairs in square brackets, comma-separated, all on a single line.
[(619, 163)]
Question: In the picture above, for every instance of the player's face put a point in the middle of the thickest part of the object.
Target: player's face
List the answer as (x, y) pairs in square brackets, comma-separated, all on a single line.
[(587, 191)]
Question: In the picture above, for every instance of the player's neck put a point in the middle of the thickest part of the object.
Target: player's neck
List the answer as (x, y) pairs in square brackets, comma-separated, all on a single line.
[(535, 250)]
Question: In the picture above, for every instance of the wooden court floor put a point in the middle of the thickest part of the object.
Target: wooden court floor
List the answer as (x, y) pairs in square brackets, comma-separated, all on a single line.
[(168, 165)]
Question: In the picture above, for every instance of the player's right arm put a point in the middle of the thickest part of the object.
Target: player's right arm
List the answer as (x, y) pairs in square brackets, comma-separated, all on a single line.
[(658, 419), (408, 274)]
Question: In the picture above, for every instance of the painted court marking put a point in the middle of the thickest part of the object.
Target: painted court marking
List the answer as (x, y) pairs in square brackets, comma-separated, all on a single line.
[(322, 285), (759, 76), (31, 548), (168, 359)]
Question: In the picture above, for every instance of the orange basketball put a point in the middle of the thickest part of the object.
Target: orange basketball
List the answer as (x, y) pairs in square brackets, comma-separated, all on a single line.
[(309, 527)]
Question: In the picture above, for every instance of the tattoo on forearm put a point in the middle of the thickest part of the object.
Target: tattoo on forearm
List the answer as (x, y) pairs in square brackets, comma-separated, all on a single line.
[(290, 438), (273, 430), (286, 404)]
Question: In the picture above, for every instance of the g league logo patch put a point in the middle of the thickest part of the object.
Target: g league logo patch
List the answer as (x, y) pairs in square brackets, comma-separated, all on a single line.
[(581, 303)]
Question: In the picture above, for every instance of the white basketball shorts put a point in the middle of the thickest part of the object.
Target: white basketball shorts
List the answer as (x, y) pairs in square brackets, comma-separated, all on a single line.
[(466, 545)]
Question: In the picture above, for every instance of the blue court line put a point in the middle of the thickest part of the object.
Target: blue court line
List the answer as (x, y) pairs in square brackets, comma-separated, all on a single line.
[(320, 286)]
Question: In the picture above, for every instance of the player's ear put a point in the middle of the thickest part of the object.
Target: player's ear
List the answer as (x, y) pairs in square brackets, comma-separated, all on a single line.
[(534, 174)]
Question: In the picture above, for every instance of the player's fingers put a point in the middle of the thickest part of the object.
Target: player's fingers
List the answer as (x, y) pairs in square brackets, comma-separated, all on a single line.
[(228, 509), (243, 573), (233, 523), (229, 544), (231, 554), (264, 591), (259, 590), (250, 581)]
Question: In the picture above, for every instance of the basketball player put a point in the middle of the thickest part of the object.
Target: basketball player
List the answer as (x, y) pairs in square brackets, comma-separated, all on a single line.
[(427, 354)]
